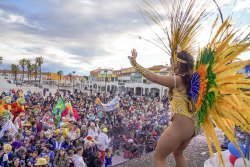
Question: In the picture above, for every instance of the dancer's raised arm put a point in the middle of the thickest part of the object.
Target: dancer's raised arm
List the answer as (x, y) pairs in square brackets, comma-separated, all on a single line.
[(167, 81)]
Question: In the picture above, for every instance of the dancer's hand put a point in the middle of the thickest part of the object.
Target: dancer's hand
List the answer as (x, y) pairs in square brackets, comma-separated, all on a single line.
[(133, 56)]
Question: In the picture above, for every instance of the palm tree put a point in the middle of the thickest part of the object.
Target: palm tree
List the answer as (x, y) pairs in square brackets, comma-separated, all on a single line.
[(29, 69), (60, 73), (22, 63), (14, 70), (35, 70), (70, 77), (1, 59), (39, 62)]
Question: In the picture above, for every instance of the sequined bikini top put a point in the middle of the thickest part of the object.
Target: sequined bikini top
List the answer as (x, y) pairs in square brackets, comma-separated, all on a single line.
[(180, 103)]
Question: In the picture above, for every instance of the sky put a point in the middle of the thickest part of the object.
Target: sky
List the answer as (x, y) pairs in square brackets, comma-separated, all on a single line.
[(83, 35)]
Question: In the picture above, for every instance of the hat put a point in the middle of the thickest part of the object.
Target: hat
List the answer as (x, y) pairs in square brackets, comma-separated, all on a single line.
[(130, 140), (90, 138), (7, 99), (28, 124), (7, 147), (105, 130), (20, 100), (41, 161), (57, 131)]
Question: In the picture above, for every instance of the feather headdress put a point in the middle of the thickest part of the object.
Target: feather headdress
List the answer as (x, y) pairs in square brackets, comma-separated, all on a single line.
[(185, 20)]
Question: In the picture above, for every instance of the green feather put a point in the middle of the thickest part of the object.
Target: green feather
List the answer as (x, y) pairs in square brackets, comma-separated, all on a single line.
[(207, 58)]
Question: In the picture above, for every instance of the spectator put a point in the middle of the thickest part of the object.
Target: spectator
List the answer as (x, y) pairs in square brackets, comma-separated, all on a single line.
[(16, 162), (78, 159), (103, 141), (61, 159), (108, 157)]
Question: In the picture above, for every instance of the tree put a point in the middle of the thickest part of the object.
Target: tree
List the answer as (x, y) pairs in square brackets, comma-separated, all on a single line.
[(60, 73), (15, 70), (35, 70), (70, 77), (29, 69), (22, 63), (39, 62)]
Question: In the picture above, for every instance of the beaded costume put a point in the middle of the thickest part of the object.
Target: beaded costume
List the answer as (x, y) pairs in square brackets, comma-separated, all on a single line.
[(180, 104)]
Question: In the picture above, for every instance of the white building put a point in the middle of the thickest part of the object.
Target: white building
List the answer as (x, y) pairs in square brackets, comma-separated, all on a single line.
[(125, 80)]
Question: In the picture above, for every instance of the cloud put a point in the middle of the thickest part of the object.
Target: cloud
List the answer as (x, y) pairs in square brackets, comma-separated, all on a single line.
[(242, 5), (79, 35), (64, 31)]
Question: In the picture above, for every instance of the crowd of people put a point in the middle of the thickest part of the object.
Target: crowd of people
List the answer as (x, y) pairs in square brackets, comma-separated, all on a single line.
[(84, 134)]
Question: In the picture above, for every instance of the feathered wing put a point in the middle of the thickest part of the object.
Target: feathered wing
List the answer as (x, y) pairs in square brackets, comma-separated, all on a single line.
[(218, 88), (184, 18)]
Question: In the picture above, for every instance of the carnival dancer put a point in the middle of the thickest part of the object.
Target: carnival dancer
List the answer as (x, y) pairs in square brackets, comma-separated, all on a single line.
[(204, 94)]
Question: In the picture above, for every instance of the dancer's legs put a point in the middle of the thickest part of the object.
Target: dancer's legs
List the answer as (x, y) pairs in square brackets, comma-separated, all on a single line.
[(187, 128), (174, 138), (168, 142), (179, 156)]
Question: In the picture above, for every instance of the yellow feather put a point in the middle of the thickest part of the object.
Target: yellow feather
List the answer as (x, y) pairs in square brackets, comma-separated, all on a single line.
[(229, 77), (233, 67), (208, 139), (240, 115), (224, 44), (223, 90), (229, 134), (224, 25), (230, 57)]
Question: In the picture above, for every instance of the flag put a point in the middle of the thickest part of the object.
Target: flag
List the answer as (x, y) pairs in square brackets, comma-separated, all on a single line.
[(69, 106), (110, 106), (73, 110), (70, 109), (58, 109)]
